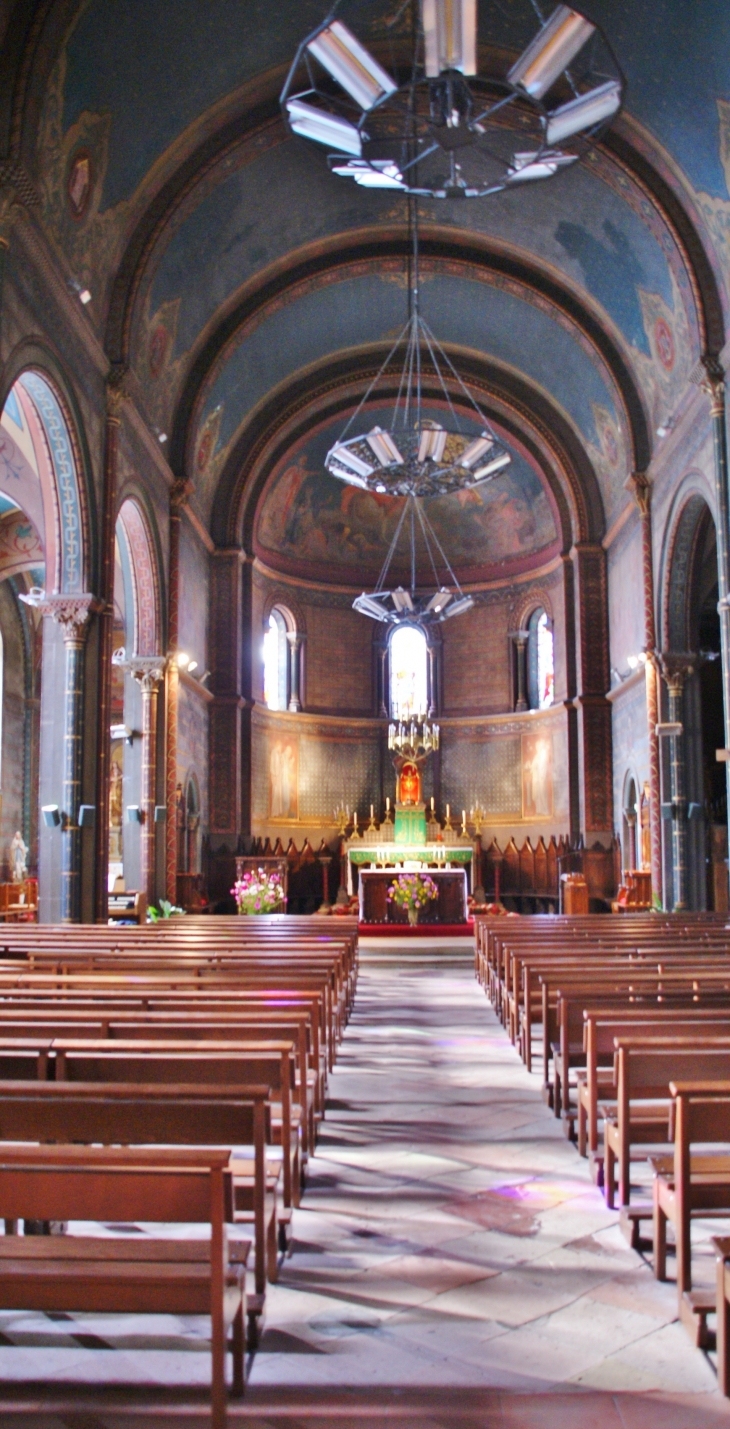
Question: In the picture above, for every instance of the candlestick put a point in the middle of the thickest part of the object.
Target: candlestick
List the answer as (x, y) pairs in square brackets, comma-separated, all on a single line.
[(372, 810), (387, 805)]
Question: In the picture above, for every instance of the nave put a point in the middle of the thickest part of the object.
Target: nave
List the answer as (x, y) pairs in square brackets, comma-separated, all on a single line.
[(452, 1262)]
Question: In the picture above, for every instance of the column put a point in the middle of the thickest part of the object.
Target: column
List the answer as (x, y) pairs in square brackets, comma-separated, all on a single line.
[(10, 210), (631, 863), (148, 672), (115, 395), (676, 669), (294, 641), (714, 385), (177, 496), (72, 614), (595, 757), (640, 488), (520, 639)]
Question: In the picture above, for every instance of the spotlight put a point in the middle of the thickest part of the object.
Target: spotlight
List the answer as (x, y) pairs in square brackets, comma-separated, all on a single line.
[(552, 49), (324, 128), (339, 52)]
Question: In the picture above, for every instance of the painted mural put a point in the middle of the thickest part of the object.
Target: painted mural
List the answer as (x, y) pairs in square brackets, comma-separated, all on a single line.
[(537, 775), (308, 521)]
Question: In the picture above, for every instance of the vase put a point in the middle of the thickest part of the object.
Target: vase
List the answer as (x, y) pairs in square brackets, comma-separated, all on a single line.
[(413, 916)]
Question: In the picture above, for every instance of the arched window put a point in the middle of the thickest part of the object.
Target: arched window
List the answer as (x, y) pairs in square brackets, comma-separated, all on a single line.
[(2, 696), (408, 673), (540, 661), (276, 662)]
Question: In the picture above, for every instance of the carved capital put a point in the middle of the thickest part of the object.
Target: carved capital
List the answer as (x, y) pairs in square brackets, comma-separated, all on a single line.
[(116, 391), (713, 383), (11, 209), (640, 487), (71, 612), (676, 669), (147, 670), (179, 493)]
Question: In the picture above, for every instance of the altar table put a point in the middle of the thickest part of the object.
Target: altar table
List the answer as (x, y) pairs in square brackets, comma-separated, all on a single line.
[(450, 907)]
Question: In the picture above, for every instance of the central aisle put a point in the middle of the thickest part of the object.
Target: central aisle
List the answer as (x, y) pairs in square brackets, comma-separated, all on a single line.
[(450, 1236)]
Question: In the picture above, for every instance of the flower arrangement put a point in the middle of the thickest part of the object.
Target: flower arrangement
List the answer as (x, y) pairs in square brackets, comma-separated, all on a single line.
[(258, 891), (412, 891)]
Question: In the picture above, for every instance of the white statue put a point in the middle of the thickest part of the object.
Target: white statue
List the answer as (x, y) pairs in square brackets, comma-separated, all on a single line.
[(19, 858)]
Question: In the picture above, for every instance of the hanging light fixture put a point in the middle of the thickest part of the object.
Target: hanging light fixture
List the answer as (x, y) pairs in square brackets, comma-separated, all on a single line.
[(439, 129), (418, 604)]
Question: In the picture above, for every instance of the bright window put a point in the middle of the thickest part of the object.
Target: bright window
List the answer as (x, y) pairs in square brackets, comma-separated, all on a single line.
[(275, 662), (408, 673), (541, 661)]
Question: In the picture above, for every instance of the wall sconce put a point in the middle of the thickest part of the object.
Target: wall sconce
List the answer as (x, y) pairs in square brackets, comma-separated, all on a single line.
[(51, 815)]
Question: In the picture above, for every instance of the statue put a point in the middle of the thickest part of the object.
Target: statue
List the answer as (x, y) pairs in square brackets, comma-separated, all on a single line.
[(19, 858), (409, 783)]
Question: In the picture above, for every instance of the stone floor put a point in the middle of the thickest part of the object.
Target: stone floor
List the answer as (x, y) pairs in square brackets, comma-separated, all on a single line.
[(452, 1262)]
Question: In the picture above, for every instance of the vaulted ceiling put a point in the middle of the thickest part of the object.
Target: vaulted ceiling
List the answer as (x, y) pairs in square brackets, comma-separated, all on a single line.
[(251, 293)]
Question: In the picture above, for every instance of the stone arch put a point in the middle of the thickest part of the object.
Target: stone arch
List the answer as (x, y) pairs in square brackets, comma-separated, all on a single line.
[(144, 582), (687, 533)]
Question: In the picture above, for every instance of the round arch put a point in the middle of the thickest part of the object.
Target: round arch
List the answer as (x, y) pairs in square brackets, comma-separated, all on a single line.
[(144, 582)]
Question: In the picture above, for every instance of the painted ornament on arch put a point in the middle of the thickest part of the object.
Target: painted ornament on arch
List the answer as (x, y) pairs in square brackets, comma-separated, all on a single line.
[(664, 343), (157, 350), (79, 183)]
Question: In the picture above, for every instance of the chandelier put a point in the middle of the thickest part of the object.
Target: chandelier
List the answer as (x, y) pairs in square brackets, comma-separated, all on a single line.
[(397, 605), (436, 128), (414, 740)]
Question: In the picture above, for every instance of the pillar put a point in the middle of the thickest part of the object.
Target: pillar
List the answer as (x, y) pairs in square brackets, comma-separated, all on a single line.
[(631, 862), (640, 488), (676, 669), (714, 385), (148, 672), (294, 641), (177, 496), (72, 614), (115, 395), (521, 638), (595, 759)]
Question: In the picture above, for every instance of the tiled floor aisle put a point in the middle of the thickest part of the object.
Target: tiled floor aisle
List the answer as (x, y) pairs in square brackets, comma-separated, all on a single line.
[(453, 1263)]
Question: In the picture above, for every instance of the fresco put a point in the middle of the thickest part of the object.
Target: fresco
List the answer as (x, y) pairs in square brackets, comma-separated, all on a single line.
[(283, 766), (310, 522), (475, 315), (537, 776)]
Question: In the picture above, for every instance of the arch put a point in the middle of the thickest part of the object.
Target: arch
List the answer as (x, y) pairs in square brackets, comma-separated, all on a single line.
[(687, 532), (60, 465), (144, 582), (275, 657), (540, 659), (630, 797)]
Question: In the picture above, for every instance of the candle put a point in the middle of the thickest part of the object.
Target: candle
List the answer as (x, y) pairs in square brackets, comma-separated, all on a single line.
[(463, 816), (448, 811), (387, 805), (354, 819), (372, 810), (432, 803)]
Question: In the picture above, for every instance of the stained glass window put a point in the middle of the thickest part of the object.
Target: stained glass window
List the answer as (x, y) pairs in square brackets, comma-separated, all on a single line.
[(275, 662), (540, 661), (408, 673)]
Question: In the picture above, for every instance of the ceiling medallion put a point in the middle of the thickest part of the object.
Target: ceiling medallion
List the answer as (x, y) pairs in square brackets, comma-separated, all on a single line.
[(439, 129)]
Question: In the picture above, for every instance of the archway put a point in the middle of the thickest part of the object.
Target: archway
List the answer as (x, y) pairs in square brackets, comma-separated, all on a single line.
[(138, 668), (692, 672)]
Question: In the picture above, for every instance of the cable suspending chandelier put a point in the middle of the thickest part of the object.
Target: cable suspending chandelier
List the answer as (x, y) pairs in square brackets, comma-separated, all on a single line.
[(432, 125)]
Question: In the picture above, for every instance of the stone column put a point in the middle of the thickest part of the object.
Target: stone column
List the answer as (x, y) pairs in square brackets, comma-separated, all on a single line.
[(294, 641), (676, 669), (631, 851), (714, 386), (148, 671), (520, 639), (115, 395), (640, 488), (72, 614), (178, 494)]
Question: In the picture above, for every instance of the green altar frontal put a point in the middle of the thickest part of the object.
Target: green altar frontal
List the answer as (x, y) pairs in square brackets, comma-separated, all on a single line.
[(410, 824)]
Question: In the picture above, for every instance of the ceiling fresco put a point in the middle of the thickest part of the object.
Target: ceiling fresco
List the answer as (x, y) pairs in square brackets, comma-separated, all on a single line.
[(310, 525), (130, 101), (469, 314)]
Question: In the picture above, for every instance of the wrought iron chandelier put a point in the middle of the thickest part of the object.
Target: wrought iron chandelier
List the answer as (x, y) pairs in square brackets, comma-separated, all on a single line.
[(434, 126), (415, 605)]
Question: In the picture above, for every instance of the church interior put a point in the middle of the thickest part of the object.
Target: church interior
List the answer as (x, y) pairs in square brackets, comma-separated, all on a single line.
[(364, 714)]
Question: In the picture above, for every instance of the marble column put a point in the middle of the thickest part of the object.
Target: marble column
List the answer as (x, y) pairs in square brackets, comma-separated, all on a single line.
[(520, 639), (676, 670), (72, 613), (148, 671), (294, 641), (178, 494), (115, 396), (640, 487)]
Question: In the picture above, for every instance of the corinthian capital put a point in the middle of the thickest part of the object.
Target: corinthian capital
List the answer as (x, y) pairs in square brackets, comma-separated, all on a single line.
[(676, 668), (147, 670), (71, 612)]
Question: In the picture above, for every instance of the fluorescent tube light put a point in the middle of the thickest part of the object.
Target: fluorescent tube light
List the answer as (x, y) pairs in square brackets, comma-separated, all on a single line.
[(552, 49), (459, 606), (492, 466), (325, 128), (401, 599), (350, 459), (450, 34), (384, 448), (476, 449), (367, 605), (432, 443), (528, 166), (380, 174), (440, 600), (339, 52), (349, 476), (584, 112)]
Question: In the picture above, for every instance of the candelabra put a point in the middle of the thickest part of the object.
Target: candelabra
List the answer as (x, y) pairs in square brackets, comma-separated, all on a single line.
[(415, 739)]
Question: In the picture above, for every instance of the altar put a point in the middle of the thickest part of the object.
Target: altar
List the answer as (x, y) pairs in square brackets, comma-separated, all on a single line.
[(449, 908)]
